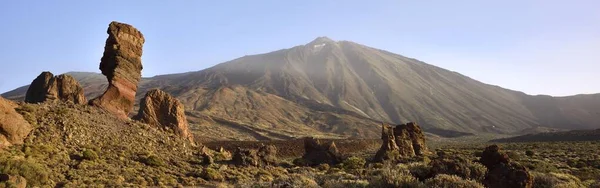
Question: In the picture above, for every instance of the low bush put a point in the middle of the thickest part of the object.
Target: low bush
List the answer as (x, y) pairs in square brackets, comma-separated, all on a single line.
[(445, 180)]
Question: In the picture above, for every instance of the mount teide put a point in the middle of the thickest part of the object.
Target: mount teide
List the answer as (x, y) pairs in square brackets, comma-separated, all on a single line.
[(339, 89)]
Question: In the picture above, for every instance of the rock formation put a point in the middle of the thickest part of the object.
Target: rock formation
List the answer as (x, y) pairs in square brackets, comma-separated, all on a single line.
[(13, 127), (502, 172), (47, 87), (122, 66), (406, 140), (161, 109), (316, 153), (264, 156)]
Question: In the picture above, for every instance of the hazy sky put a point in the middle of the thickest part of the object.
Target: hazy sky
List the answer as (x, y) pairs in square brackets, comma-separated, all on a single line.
[(536, 46)]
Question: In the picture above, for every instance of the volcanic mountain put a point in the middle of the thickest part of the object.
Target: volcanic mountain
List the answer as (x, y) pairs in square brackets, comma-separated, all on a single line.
[(336, 89)]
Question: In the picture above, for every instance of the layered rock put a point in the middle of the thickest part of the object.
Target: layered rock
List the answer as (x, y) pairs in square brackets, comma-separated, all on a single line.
[(405, 140), (13, 127), (264, 156), (161, 109), (502, 172), (122, 66), (47, 87), (316, 153)]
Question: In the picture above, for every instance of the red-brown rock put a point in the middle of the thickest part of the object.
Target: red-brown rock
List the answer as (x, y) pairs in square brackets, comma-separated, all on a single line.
[(502, 172), (13, 127), (402, 141), (161, 109), (316, 153), (122, 66), (264, 156), (47, 87)]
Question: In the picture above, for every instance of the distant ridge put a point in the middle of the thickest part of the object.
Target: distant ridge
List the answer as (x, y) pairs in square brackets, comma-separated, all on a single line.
[(337, 89)]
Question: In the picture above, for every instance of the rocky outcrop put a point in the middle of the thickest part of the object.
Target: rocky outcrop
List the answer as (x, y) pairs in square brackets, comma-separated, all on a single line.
[(502, 172), (13, 127), (161, 109), (122, 66), (47, 87), (264, 156), (405, 140), (316, 153), (38, 89)]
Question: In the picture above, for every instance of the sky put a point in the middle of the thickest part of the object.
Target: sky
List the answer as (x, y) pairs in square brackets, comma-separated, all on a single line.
[(536, 46)]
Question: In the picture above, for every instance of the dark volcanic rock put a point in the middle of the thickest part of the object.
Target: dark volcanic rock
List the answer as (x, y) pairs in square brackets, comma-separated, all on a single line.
[(406, 140), (502, 172), (161, 109), (122, 66), (264, 156), (13, 127), (316, 153), (47, 87)]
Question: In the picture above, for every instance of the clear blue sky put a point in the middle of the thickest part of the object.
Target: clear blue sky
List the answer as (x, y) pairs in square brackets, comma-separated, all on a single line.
[(536, 46)]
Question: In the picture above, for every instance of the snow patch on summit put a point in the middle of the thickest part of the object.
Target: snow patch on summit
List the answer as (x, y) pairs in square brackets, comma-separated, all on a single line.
[(318, 47)]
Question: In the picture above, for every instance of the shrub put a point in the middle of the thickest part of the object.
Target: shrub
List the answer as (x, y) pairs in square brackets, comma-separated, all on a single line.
[(419, 170), (444, 180), (345, 184), (323, 167), (294, 180), (35, 173), (529, 153), (151, 160), (89, 155), (395, 178), (555, 180), (301, 162), (477, 171), (212, 175), (354, 163)]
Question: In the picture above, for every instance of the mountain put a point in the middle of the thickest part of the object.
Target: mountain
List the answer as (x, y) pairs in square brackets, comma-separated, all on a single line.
[(561, 136), (333, 88)]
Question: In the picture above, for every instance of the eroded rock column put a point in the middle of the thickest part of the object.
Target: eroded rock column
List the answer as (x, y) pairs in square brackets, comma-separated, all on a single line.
[(122, 66)]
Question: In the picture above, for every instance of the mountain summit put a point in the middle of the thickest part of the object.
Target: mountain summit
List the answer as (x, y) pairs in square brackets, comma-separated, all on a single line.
[(338, 88)]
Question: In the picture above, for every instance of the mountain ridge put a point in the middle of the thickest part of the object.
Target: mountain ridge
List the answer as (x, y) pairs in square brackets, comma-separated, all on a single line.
[(353, 81)]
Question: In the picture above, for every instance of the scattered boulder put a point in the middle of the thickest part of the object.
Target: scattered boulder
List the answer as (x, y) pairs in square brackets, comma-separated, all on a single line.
[(47, 87), (122, 66), (316, 153), (13, 181), (13, 127), (402, 141), (502, 172), (264, 156), (161, 109)]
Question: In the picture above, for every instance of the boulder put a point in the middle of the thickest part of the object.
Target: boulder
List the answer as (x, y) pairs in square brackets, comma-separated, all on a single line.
[(13, 127), (264, 156), (316, 153), (161, 109), (47, 87), (402, 141), (122, 66), (502, 172)]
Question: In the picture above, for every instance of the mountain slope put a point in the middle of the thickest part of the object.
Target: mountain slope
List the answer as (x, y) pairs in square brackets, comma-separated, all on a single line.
[(340, 88)]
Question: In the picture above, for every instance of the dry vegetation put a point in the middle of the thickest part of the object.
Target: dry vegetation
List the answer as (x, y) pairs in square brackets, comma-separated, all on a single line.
[(76, 146)]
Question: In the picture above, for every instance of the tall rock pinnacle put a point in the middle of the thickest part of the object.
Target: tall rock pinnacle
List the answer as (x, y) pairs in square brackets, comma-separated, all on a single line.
[(122, 66)]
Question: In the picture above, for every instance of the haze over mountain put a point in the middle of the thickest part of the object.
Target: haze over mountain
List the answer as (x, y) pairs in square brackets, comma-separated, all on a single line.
[(339, 88)]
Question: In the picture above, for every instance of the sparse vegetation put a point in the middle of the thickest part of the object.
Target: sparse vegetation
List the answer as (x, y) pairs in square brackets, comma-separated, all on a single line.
[(68, 150)]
